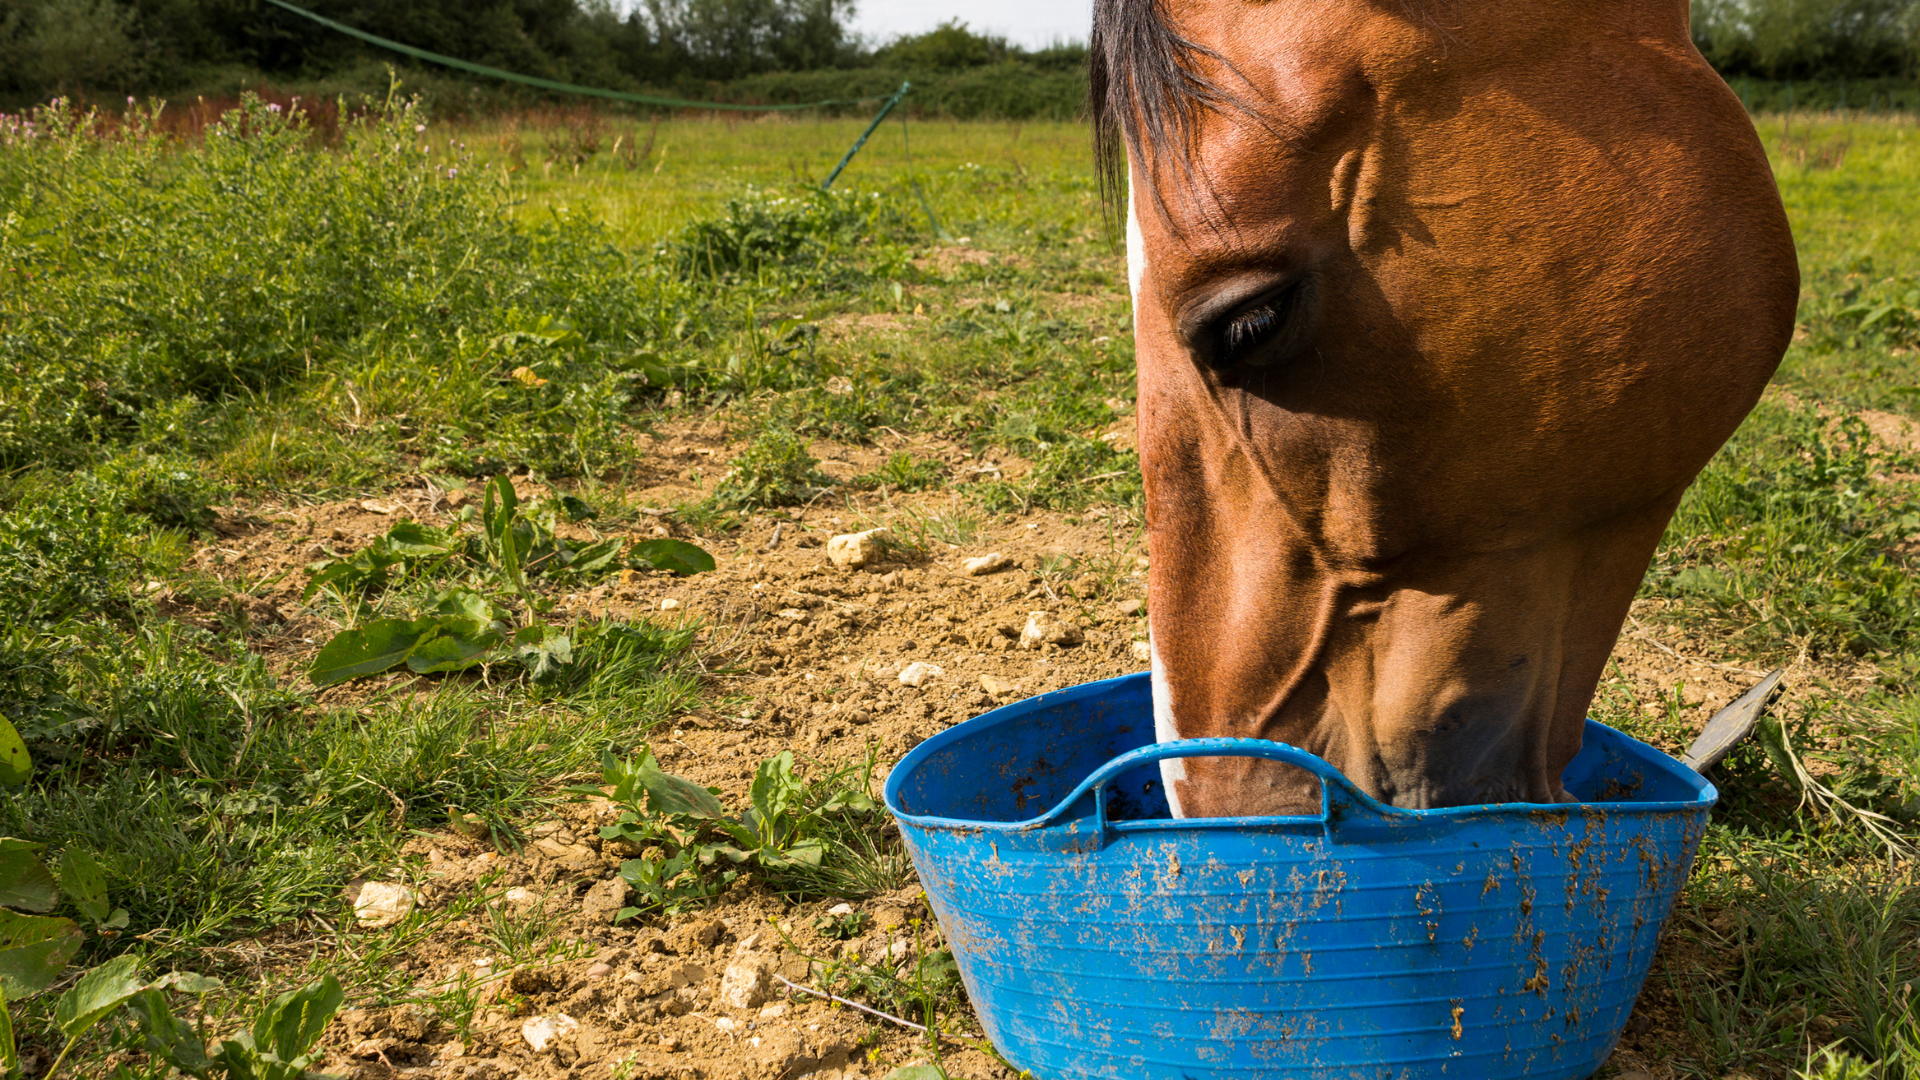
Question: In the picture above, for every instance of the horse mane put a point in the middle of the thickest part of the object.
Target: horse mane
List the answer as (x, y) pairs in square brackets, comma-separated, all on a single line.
[(1145, 92)]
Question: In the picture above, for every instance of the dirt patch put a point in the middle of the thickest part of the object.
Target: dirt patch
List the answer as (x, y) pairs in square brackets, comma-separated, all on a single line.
[(662, 1000), (806, 656), (1896, 431), (946, 260)]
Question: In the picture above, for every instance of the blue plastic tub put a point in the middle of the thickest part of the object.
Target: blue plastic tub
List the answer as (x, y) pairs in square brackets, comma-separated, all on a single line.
[(1100, 937)]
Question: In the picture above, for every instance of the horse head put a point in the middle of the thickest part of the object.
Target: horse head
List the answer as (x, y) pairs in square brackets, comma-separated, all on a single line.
[(1438, 310)]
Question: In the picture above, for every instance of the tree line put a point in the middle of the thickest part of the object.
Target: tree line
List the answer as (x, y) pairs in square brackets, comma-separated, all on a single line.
[(102, 47), (106, 47)]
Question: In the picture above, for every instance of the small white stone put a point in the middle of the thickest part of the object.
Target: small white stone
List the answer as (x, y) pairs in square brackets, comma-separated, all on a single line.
[(1044, 628), (669, 604), (727, 1024), (985, 564), (919, 672), (381, 904), (604, 900), (541, 1032), (840, 909), (744, 984), (999, 687), (774, 1011), (851, 551), (1142, 652)]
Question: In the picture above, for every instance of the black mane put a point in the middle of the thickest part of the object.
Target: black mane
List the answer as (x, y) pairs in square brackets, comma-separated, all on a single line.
[(1145, 92)]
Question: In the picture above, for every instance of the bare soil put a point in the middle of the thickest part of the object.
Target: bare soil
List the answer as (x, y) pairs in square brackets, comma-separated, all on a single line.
[(801, 655)]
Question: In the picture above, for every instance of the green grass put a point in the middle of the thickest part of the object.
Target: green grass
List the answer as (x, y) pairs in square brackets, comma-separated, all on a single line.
[(1797, 546), (259, 317), (644, 180), (1849, 185)]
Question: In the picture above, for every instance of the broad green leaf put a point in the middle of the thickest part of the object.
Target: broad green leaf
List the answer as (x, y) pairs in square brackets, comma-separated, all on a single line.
[(25, 881), (84, 881), (238, 1058), (498, 507), (806, 853), (34, 950), (16, 765), (676, 555), (858, 802), (709, 853), (1879, 313), (622, 776), (669, 794), (289, 1027), (187, 982), (596, 558), (375, 647), (457, 644), (98, 993), (168, 1037), (544, 649), (368, 566), (577, 509), (938, 968), (917, 1072), (466, 604), (412, 539)]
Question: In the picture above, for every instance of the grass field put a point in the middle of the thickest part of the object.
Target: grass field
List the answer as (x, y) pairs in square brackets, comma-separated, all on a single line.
[(665, 324)]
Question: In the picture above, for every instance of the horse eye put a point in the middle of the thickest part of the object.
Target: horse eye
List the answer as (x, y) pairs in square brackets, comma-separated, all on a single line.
[(1246, 332), (1266, 331)]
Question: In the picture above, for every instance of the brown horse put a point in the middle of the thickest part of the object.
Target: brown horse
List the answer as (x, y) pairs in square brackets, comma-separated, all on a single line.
[(1439, 308)]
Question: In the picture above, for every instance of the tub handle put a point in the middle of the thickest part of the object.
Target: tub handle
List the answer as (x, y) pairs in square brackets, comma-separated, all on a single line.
[(1338, 795)]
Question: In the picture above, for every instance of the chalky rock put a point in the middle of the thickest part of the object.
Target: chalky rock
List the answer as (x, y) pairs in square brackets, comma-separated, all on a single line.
[(541, 1032), (746, 984), (1044, 629), (985, 564), (1142, 652), (919, 673), (576, 858), (999, 687), (382, 904), (604, 901), (851, 551)]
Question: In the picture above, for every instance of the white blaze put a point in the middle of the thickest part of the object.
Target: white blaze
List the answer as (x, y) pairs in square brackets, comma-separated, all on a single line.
[(1136, 250), (1172, 770)]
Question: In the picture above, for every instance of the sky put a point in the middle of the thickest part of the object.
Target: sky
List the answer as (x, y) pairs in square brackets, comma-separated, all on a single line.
[(1032, 23)]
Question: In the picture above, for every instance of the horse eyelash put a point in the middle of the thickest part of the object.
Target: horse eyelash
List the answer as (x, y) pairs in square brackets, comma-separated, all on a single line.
[(1248, 329)]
